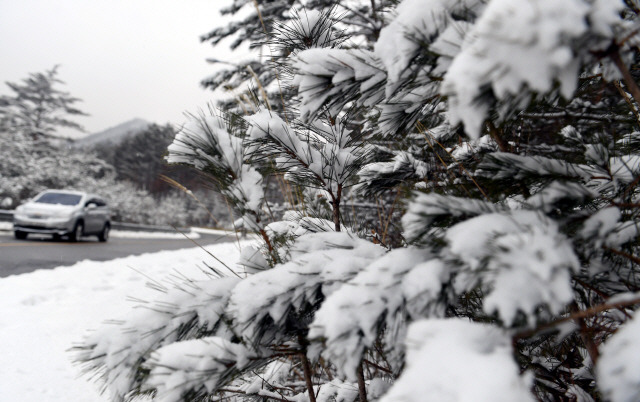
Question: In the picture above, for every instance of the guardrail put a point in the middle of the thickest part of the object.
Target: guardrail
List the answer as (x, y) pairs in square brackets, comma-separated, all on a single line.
[(7, 216)]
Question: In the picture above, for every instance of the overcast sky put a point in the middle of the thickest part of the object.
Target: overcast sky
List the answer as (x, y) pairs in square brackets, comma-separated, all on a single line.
[(123, 58)]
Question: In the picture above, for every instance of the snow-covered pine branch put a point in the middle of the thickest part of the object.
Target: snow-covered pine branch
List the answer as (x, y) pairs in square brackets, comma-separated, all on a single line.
[(186, 310), (518, 49), (402, 285), (214, 145), (322, 155)]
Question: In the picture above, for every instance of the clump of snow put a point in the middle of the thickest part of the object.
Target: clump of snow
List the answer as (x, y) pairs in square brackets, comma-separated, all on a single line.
[(320, 262), (248, 187), (522, 44), (252, 260), (459, 361), (193, 364), (208, 144), (556, 191), (618, 369), (402, 162), (297, 225), (426, 208), (351, 318), (601, 223), (337, 390), (528, 261), (415, 20), (199, 134)]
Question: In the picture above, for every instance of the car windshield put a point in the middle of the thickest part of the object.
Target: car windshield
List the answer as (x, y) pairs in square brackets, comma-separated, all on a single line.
[(59, 198)]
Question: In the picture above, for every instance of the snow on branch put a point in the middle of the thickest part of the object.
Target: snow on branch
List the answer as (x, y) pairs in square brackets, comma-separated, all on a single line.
[(196, 368), (271, 305), (520, 257), (618, 366), (502, 165), (214, 145), (417, 21), (403, 284), (118, 349), (329, 79), (318, 155), (519, 48), (462, 361), (426, 209)]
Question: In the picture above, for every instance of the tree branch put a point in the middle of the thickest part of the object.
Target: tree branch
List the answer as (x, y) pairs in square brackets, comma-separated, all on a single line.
[(576, 315), (362, 387), (614, 54)]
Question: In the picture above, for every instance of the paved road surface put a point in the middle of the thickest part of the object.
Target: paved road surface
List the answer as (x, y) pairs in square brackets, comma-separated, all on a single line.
[(21, 256)]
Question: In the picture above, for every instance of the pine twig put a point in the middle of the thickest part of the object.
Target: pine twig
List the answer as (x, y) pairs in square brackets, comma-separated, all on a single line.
[(614, 55), (262, 90), (423, 131), (625, 95), (206, 251), (362, 387), (386, 226), (624, 254), (306, 367), (576, 315), (190, 193), (264, 28), (495, 135), (585, 335)]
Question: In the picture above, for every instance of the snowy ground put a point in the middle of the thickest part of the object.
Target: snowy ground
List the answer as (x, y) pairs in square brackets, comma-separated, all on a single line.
[(45, 312)]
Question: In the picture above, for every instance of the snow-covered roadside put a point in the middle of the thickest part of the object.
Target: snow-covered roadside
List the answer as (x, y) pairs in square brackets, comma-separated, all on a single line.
[(6, 226), (45, 312)]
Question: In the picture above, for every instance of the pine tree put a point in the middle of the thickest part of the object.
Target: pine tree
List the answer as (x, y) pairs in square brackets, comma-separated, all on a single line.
[(37, 108), (508, 130)]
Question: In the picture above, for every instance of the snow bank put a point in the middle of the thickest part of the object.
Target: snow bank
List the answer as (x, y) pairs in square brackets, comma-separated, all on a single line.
[(46, 311)]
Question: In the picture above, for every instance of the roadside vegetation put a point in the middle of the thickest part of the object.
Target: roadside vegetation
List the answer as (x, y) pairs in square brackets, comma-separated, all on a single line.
[(128, 174)]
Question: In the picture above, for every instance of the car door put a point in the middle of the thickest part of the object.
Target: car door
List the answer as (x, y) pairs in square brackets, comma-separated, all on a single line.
[(92, 216), (102, 214)]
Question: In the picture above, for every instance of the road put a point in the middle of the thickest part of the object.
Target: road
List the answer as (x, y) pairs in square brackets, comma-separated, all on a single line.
[(22, 256)]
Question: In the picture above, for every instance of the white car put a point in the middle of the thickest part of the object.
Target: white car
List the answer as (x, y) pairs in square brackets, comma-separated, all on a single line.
[(63, 213)]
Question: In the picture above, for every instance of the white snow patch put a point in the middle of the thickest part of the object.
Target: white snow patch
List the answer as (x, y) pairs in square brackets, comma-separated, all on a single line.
[(618, 368), (46, 311), (459, 361)]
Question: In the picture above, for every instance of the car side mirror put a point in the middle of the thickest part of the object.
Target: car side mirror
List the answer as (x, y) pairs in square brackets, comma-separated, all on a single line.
[(91, 205)]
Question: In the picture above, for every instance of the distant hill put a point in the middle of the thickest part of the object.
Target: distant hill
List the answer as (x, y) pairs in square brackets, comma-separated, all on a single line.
[(113, 135)]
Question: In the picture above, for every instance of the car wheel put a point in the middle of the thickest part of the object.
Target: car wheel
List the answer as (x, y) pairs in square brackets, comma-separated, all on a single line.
[(77, 232), (20, 235), (104, 235)]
